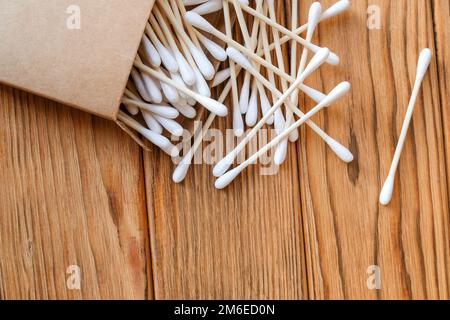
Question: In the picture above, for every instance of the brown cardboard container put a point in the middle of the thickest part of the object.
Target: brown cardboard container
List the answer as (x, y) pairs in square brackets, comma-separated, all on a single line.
[(85, 68)]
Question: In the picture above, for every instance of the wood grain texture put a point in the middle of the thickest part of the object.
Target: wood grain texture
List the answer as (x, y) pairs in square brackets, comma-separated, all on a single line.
[(74, 189), (71, 193), (346, 231)]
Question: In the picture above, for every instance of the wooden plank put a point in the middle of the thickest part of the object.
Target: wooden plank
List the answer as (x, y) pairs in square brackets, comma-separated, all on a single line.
[(245, 242), (71, 193), (441, 15), (346, 231)]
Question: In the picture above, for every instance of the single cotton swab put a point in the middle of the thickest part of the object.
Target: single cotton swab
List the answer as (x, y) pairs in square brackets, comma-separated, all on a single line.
[(157, 139), (225, 179), (422, 67), (238, 123), (221, 76)]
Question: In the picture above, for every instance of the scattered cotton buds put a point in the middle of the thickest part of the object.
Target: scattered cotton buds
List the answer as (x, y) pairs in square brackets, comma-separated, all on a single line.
[(174, 71)]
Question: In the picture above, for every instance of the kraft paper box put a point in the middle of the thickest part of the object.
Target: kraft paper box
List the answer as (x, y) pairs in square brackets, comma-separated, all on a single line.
[(77, 52)]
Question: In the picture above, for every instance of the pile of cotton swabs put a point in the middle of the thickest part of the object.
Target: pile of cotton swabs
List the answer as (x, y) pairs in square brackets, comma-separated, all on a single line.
[(174, 71)]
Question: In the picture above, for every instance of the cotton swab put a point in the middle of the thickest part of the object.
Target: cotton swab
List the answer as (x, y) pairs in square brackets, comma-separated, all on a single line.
[(161, 110), (222, 166), (238, 123), (333, 59), (422, 67), (221, 76), (225, 179), (135, 75), (157, 139), (343, 153), (315, 12), (210, 104), (151, 53)]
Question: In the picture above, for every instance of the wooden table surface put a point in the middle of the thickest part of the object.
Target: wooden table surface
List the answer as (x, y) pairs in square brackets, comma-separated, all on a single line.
[(76, 190)]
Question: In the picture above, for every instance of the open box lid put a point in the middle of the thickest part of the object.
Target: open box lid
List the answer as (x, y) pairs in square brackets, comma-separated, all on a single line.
[(86, 67)]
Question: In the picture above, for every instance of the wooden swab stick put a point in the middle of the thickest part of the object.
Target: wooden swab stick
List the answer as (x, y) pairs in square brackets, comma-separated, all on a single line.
[(245, 89), (314, 15), (343, 153), (210, 104), (238, 123), (294, 22), (333, 59), (222, 166), (224, 180), (422, 67)]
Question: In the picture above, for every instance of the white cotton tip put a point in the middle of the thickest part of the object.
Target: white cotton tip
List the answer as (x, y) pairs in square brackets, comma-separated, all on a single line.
[(244, 96), (221, 77), (279, 121), (212, 105), (342, 152), (198, 22), (315, 13), (224, 181), (151, 122), (170, 92), (244, 2), (238, 123), (133, 110), (336, 9), (251, 117), (205, 66), (139, 84), (150, 51), (152, 88), (208, 7), (336, 93), (166, 57), (157, 139), (423, 64), (201, 85), (186, 71), (164, 111), (180, 172), (213, 48), (333, 59), (265, 107), (186, 110), (178, 79), (193, 2), (222, 166), (239, 58), (314, 94), (191, 101), (280, 153), (317, 60), (170, 125), (387, 191)]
